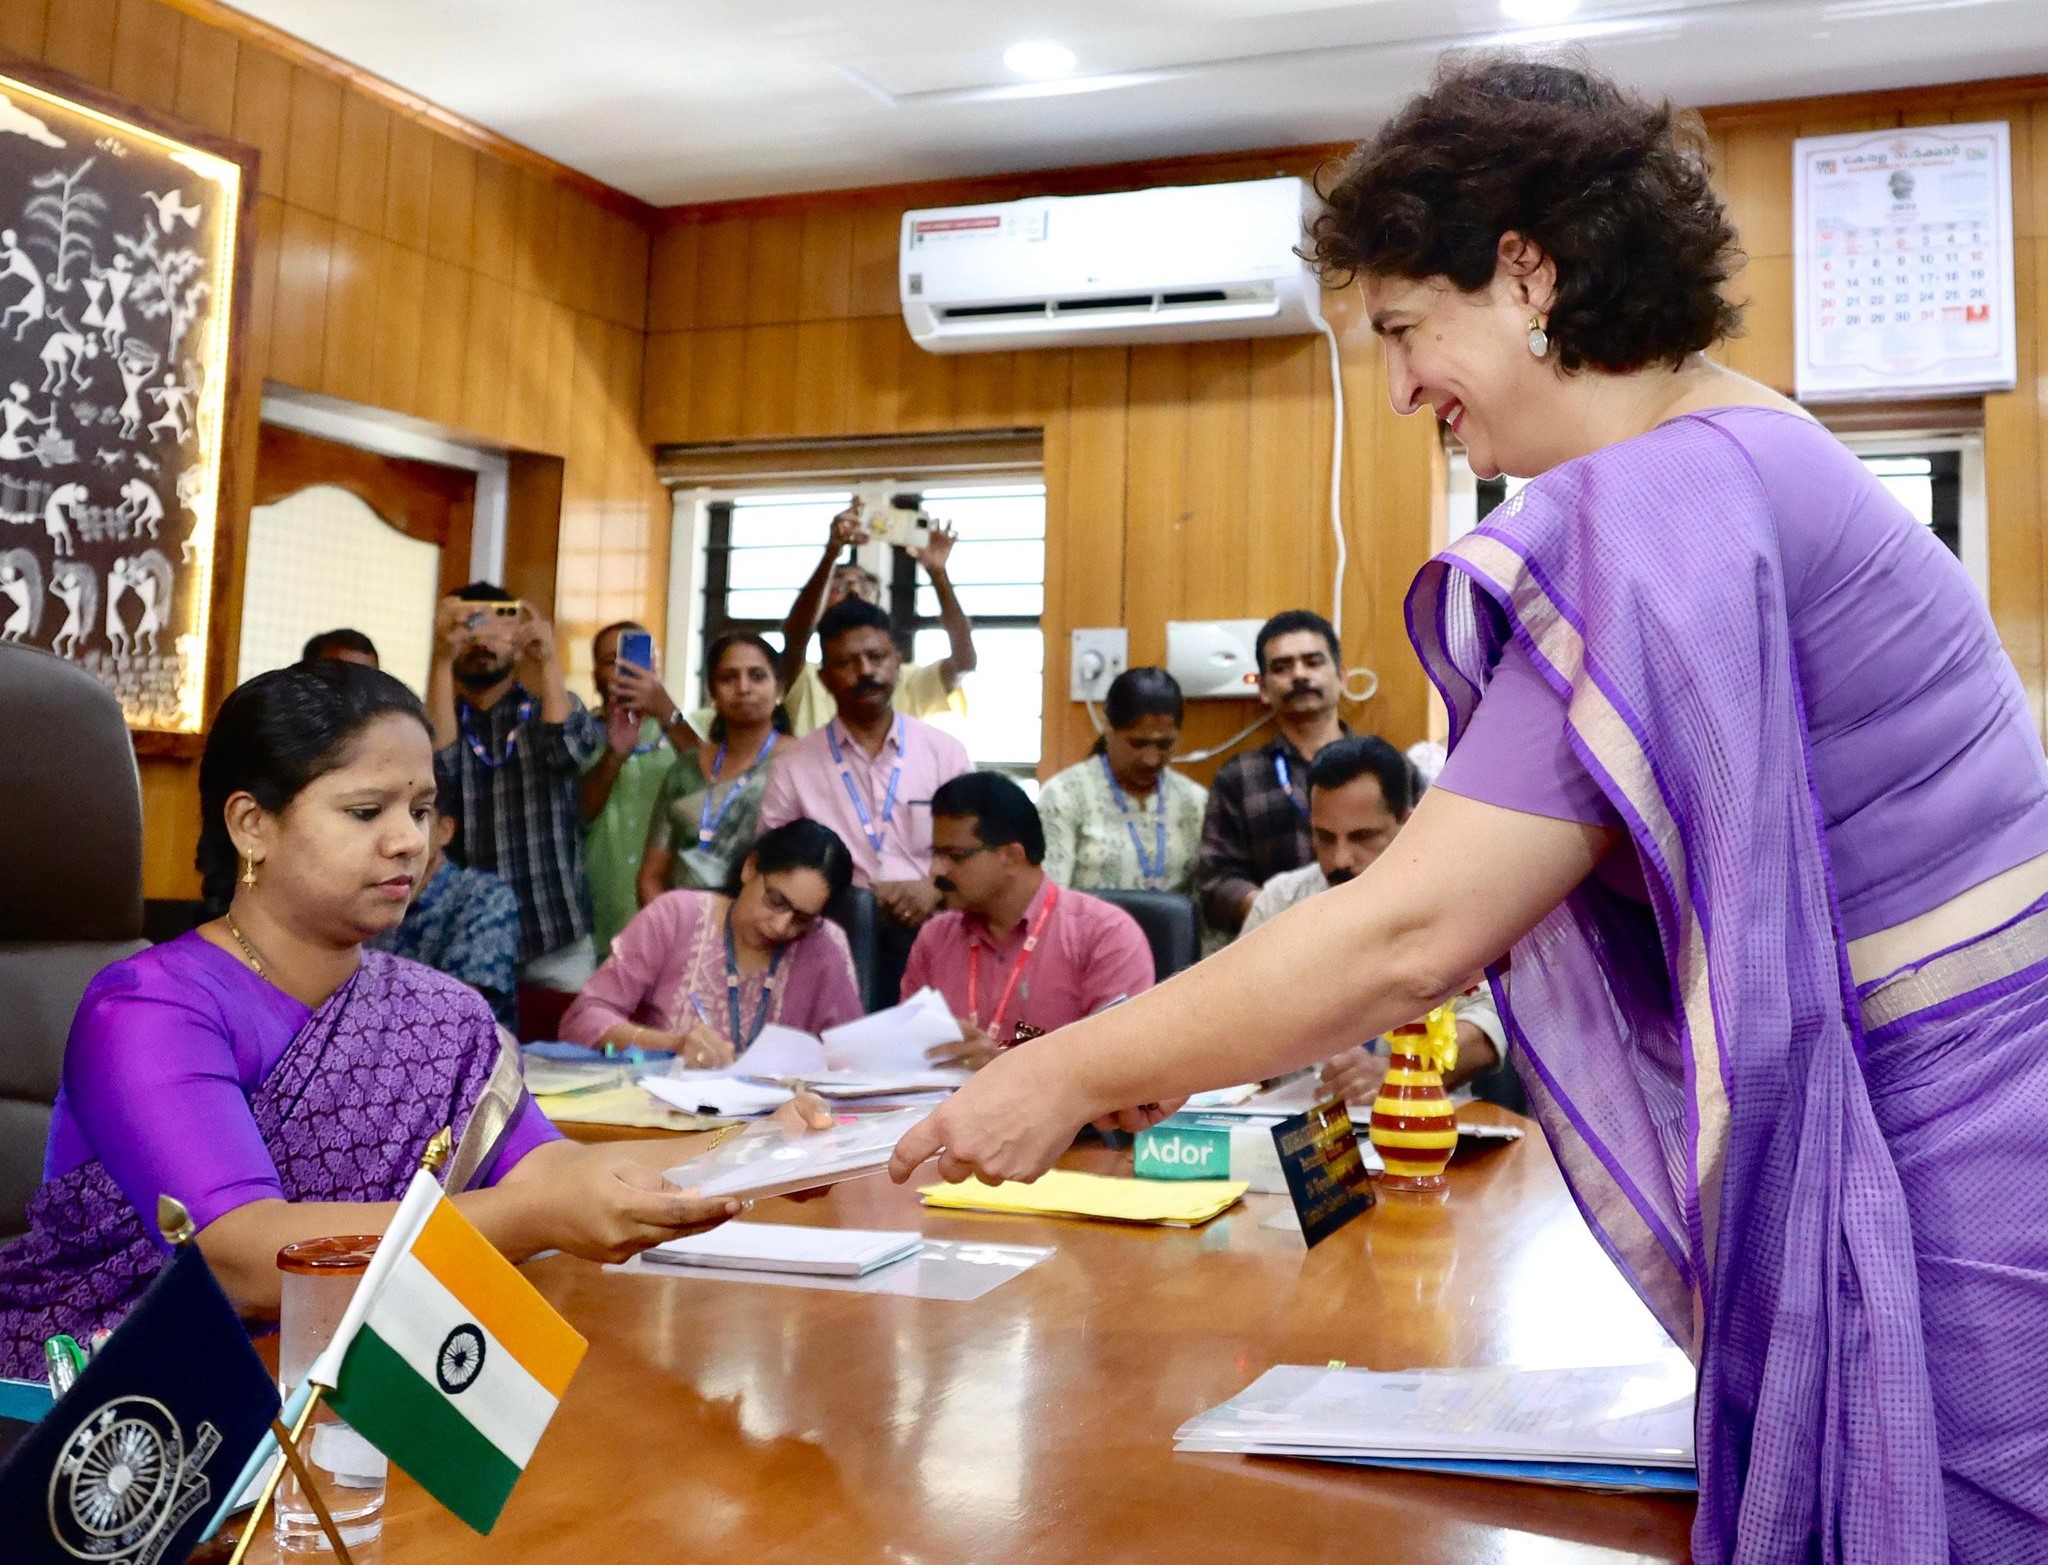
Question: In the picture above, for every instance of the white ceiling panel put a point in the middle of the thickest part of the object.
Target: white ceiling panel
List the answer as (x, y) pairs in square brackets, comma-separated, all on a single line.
[(698, 100)]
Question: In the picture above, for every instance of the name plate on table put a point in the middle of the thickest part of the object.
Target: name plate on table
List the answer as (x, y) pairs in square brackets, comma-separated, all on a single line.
[(1325, 1174)]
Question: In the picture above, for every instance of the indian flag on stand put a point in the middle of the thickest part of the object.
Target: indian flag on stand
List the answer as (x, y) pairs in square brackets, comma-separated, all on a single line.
[(448, 1361)]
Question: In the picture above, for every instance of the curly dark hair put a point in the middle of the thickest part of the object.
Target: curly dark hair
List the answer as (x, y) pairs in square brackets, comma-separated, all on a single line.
[(1613, 188)]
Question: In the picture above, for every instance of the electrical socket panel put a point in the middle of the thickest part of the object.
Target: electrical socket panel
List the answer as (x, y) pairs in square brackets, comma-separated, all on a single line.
[(1095, 657)]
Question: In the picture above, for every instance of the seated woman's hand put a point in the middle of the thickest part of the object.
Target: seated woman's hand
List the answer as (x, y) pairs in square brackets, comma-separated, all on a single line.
[(702, 1048), (974, 1050), (1355, 1075), (609, 1205), (805, 1112)]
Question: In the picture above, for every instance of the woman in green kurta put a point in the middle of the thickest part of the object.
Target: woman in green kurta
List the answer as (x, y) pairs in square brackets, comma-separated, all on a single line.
[(709, 809)]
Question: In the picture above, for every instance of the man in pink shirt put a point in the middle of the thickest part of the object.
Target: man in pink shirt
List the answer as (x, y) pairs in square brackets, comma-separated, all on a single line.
[(1015, 955), (871, 772)]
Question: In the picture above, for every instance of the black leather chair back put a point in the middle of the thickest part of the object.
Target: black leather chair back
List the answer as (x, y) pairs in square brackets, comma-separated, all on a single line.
[(70, 885), (1171, 925), (857, 913)]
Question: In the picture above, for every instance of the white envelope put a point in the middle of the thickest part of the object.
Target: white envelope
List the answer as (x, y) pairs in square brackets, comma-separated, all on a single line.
[(715, 1092), (895, 1039)]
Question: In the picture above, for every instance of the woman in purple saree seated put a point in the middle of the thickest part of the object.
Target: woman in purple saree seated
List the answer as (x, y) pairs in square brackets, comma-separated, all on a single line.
[(1746, 817), (277, 1078)]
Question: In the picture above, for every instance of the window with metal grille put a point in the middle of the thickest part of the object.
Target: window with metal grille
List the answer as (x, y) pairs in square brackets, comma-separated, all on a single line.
[(761, 548)]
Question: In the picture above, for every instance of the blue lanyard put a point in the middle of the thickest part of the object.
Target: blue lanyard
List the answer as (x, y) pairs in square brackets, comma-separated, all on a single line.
[(476, 746), (714, 809), (869, 828), (1154, 876), (732, 989), (1286, 777)]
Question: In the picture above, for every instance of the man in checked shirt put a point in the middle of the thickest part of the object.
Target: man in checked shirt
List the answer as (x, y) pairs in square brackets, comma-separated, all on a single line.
[(1257, 825)]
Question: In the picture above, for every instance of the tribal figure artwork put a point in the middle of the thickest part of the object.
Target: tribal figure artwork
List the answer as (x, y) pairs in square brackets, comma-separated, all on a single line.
[(117, 251)]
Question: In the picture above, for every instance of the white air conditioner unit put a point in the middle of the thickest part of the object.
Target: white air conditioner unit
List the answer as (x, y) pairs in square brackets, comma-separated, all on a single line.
[(1175, 264)]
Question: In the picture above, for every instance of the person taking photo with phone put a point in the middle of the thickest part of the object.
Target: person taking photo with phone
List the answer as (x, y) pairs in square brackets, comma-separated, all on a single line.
[(515, 742)]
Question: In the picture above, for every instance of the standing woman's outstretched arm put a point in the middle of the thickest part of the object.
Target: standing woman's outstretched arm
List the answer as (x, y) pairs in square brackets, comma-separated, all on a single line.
[(1460, 884)]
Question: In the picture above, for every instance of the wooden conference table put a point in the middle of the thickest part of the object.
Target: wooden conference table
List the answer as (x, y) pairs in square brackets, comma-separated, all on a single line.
[(723, 1421)]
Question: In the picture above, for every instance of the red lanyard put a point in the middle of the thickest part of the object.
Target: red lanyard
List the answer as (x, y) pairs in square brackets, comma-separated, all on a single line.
[(995, 1023)]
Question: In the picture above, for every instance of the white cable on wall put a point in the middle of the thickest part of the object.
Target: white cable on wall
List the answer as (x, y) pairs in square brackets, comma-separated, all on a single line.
[(1337, 477)]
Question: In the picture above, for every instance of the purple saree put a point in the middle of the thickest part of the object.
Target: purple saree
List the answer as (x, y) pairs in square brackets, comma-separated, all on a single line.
[(1788, 1194), (394, 1055)]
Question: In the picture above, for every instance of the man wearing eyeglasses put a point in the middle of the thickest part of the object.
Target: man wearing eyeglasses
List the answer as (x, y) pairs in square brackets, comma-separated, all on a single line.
[(1014, 954)]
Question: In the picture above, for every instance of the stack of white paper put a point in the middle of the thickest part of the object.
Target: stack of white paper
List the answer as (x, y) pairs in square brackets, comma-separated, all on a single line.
[(787, 1247), (893, 1040), (1628, 1426), (768, 1160)]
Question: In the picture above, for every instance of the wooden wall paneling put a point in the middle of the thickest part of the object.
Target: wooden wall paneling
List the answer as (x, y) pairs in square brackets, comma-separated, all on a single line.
[(539, 208), (362, 163), (443, 354), (207, 62), (1087, 449), (451, 201), (823, 370), (1394, 546), (1754, 177), (587, 412), (1040, 383), (665, 386), (825, 266), (634, 253), (768, 384), (533, 513), (23, 24), (79, 38), (874, 395), (1765, 349), (401, 308), (575, 253), (147, 40), (496, 215), (1286, 465), (170, 812), (298, 330), (488, 352), (716, 390), (984, 391), (263, 112), (925, 381), (312, 153), (1156, 504), (1212, 543), (775, 269), (722, 279), (873, 287), (559, 388), (354, 280), (526, 392), (672, 278), (268, 216), (408, 182)]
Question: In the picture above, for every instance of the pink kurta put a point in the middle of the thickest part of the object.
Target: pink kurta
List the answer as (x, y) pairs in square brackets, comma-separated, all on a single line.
[(675, 949)]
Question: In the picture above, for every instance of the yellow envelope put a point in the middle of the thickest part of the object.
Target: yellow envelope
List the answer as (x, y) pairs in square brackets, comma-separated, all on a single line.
[(1178, 1203), (631, 1106)]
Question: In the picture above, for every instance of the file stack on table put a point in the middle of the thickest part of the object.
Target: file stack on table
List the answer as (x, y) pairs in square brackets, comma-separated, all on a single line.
[(1617, 1428)]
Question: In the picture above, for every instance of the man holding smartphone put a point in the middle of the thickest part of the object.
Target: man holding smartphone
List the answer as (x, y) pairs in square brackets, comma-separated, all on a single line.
[(516, 741), (644, 731)]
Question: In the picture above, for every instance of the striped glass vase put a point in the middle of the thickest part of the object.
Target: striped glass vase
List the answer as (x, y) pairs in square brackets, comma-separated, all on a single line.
[(1414, 1125)]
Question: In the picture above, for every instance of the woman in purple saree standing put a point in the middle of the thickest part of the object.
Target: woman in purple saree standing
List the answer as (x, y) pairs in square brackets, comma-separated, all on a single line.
[(277, 1078), (1746, 817)]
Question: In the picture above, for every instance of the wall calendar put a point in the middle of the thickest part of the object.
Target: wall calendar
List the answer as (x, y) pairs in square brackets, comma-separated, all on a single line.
[(1902, 259)]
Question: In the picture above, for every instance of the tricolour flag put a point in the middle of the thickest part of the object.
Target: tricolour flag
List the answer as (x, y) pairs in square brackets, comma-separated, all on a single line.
[(448, 1361)]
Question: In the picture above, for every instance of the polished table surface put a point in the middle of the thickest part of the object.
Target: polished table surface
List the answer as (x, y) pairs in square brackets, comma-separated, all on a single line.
[(734, 1421)]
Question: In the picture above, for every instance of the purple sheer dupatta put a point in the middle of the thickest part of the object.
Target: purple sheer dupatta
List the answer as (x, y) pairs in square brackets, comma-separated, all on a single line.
[(1697, 1064)]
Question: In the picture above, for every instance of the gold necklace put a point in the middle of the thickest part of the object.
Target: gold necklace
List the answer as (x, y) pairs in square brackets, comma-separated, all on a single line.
[(242, 940)]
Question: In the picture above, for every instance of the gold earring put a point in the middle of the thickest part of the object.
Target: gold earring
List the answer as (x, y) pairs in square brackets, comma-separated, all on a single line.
[(1539, 339), (249, 870)]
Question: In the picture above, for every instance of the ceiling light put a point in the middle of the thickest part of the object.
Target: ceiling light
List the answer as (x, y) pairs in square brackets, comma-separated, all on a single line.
[(1537, 13), (1041, 59)]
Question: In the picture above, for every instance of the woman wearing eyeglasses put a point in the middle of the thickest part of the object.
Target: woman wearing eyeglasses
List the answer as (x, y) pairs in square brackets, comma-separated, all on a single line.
[(1123, 820), (702, 972)]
